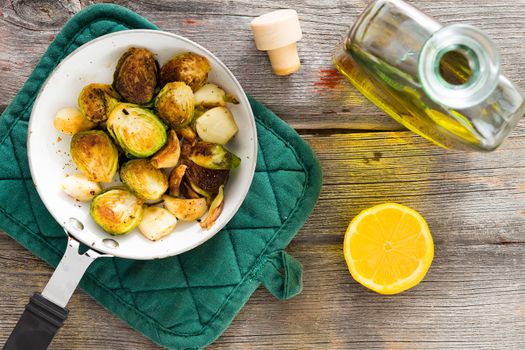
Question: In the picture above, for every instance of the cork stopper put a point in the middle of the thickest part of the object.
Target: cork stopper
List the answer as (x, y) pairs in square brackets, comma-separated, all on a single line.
[(277, 33)]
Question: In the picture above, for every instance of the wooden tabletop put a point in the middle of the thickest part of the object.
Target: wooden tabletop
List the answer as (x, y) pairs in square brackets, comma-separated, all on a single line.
[(474, 294)]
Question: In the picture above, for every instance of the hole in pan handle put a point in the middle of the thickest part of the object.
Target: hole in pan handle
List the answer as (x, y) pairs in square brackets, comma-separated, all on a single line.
[(45, 313)]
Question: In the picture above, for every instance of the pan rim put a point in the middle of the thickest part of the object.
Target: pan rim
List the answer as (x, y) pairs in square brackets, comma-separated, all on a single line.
[(253, 157)]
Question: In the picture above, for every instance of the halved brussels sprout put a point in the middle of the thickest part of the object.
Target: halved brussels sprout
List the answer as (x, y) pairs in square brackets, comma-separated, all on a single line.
[(157, 223), (210, 95), (175, 104), (216, 126), (188, 67), (143, 179), (213, 156), (138, 131), (204, 181), (80, 187), (70, 120), (186, 209), (95, 155), (215, 210), (117, 211), (168, 156), (135, 77), (96, 101)]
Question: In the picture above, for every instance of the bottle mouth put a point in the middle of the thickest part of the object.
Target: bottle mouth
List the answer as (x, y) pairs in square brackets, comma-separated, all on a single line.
[(459, 66)]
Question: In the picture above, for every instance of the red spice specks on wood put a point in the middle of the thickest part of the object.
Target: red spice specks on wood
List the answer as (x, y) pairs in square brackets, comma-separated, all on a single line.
[(189, 21), (51, 37), (329, 79)]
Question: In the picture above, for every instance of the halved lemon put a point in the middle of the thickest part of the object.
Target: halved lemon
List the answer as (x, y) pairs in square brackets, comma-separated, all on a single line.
[(388, 248)]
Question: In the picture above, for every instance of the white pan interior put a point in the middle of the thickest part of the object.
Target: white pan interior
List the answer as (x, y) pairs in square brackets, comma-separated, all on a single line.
[(48, 149)]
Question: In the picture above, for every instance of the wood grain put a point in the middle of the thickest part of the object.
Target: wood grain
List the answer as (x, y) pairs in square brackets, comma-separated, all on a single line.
[(474, 294), (472, 298), (316, 98)]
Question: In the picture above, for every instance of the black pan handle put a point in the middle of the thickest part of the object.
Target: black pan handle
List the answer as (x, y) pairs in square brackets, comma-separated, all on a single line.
[(46, 312), (37, 326)]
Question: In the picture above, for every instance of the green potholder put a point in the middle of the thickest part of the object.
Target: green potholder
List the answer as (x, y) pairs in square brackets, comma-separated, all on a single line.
[(185, 301)]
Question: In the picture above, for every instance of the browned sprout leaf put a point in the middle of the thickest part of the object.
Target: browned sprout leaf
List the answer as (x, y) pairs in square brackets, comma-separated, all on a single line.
[(175, 179), (215, 210), (169, 155)]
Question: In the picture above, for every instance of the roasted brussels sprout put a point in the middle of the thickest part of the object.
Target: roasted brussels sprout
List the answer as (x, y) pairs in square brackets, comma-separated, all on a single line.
[(213, 156), (185, 209), (143, 179), (187, 67), (95, 155), (175, 104), (168, 156), (216, 126), (96, 101), (70, 120), (117, 211), (135, 77), (157, 223), (215, 210), (138, 131), (204, 181), (80, 187)]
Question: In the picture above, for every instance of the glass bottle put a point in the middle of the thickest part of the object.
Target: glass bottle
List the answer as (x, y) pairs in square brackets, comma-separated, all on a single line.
[(443, 83)]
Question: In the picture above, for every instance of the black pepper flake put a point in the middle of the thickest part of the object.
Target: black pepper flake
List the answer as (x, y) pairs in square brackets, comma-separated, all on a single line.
[(125, 111)]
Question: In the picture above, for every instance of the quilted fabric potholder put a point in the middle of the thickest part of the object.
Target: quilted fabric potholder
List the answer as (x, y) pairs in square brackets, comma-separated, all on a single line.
[(185, 301)]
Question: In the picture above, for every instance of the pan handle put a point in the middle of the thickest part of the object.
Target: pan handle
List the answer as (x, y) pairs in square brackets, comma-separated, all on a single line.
[(46, 312)]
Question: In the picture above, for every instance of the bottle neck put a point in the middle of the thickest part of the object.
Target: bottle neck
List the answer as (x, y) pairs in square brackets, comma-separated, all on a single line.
[(458, 66)]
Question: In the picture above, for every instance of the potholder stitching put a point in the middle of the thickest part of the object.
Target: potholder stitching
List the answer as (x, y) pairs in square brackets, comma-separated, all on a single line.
[(189, 289), (249, 276), (26, 190), (246, 277), (271, 185)]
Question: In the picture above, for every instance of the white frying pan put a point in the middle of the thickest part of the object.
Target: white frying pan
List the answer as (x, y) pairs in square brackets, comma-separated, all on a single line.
[(50, 162)]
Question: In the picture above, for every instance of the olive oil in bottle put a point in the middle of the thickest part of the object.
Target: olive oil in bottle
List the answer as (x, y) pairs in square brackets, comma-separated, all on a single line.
[(443, 83)]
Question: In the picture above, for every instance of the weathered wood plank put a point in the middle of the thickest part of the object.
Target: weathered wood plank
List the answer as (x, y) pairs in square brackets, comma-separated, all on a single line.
[(472, 298), (315, 98)]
